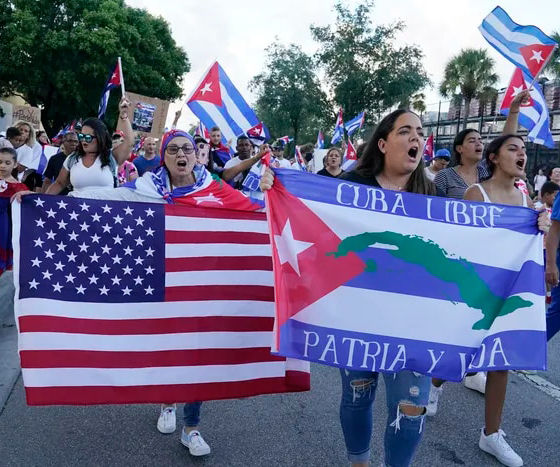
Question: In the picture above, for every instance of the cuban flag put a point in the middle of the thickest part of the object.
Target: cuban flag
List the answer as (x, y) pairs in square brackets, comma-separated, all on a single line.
[(113, 81), (258, 134), (429, 149), (338, 129), (350, 157), (377, 280), (202, 131), (527, 47), (320, 140), (285, 140), (355, 124), (532, 116), (300, 160), (217, 102)]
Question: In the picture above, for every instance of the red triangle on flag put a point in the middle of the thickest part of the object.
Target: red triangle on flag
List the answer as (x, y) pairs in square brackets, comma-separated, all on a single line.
[(351, 154), (115, 78), (209, 88), (536, 56), (516, 85), (304, 271)]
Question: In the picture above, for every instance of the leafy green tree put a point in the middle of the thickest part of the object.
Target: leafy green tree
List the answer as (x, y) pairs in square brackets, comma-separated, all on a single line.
[(363, 66), (554, 65), (289, 96), (470, 74), (59, 53)]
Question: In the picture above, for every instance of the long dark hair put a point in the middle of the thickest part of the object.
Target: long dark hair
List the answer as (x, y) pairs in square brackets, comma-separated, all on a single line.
[(458, 141), (103, 138), (494, 148), (372, 162)]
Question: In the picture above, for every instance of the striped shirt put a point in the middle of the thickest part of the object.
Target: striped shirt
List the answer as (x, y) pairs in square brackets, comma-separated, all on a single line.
[(452, 185)]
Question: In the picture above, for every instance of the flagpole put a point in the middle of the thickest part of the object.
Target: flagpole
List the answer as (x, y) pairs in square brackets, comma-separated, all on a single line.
[(121, 76)]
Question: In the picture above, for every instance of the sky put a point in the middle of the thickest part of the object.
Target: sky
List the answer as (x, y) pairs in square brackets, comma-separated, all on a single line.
[(236, 33)]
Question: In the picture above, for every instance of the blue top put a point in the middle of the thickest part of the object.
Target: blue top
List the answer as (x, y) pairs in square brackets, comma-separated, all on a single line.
[(146, 165)]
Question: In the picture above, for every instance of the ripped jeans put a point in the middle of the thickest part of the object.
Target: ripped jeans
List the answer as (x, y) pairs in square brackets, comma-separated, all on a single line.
[(402, 432)]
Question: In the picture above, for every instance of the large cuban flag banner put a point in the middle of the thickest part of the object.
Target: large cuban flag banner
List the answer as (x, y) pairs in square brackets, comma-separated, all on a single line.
[(217, 102), (379, 280)]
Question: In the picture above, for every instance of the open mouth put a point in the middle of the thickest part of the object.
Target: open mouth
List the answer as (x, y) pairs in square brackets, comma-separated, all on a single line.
[(182, 163), (413, 152), (520, 164)]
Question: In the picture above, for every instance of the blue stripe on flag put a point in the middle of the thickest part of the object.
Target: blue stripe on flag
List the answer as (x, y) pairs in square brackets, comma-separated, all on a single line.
[(501, 15), (237, 98)]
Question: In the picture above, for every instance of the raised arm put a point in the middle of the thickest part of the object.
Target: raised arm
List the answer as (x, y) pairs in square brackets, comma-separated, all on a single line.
[(122, 151), (230, 173), (510, 128)]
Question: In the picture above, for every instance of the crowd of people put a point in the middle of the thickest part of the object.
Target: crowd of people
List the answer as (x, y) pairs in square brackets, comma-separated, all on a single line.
[(92, 163)]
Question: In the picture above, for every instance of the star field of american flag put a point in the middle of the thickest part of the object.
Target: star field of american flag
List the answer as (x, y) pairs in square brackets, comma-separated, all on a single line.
[(92, 251)]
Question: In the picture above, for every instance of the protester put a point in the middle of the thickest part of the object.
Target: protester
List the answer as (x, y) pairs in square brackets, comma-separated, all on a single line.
[(12, 140), (149, 161), (127, 173), (203, 153), (94, 164), (219, 153), (539, 181), (333, 162), (278, 152), (42, 138), (439, 162), (555, 175), (506, 159), (25, 150), (54, 166), (236, 169), (548, 192), (391, 161), (8, 161)]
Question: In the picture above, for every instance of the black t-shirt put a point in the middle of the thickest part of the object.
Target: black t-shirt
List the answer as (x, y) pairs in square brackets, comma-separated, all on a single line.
[(326, 173), (353, 176), (53, 169)]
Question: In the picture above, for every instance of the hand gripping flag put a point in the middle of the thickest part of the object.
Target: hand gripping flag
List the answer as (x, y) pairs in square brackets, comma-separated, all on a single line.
[(355, 124), (532, 116), (429, 149), (527, 47), (114, 80), (379, 280), (320, 144), (338, 133), (300, 160), (217, 102), (350, 157), (121, 302)]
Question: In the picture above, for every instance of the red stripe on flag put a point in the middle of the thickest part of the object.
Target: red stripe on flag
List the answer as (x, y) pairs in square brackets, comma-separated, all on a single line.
[(113, 327), (254, 238), (295, 381), (219, 292), (212, 213), (161, 358), (214, 263)]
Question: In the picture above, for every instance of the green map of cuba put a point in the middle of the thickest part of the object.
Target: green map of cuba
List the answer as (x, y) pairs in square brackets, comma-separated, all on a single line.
[(417, 250)]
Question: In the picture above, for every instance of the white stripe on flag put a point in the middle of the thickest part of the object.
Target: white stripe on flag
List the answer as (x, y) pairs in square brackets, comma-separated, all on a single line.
[(179, 250), (86, 310), (55, 377), (218, 119), (145, 342), (245, 277), (201, 224), (517, 58), (511, 36), (234, 111)]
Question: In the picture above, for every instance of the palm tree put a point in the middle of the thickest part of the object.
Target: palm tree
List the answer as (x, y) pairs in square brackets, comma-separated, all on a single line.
[(554, 65), (472, 74), (419, 103)]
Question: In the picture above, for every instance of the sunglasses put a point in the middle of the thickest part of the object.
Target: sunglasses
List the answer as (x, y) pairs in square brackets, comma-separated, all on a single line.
[(174, 149), (87, 138)]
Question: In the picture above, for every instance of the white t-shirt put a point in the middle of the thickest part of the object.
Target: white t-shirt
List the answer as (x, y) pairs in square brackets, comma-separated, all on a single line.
[(232, 163), (540, 180), (82, 177), (429, 174), (281, 164), (24, 154), (32, 159)]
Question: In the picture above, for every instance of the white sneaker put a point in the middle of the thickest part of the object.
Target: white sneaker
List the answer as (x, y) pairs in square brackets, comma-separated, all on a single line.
[(496, 445), (167, 421), (435, 392), (195, 442), (476, 382)]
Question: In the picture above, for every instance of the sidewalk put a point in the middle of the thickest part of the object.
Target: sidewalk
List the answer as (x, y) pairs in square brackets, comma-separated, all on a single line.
[(9, 360)]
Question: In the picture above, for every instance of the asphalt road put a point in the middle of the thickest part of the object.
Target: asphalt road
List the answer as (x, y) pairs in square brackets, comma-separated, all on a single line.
[(284, 430)]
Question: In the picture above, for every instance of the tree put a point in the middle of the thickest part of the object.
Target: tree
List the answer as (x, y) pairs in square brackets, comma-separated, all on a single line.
[(58, 54), (289, 96), (471, 75), (554, 65), (418, 103), (364, 68)]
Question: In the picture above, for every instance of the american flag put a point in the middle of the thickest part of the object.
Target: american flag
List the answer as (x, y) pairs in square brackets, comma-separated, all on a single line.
[(122, 302)]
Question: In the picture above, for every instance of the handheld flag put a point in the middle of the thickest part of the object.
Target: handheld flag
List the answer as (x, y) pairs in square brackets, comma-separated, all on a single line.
[(355, 124), (202, 131), (285, 140), (527, 47), (533, 116), (338, 128), (300, 160), (350, 157), (258, 134), (320, 140), (429, 149), (217, 102), (114, 81), (338, 245)]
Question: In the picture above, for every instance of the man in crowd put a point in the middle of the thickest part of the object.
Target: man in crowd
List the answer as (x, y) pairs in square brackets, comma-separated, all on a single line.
[(237, 168), (150, 160), (12, 140), (278, 153), (218, 152), (439, 162), (555, 175), (68, 146)]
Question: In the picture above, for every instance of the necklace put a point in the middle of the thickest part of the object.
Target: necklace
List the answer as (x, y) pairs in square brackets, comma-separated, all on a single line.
[(389, 185)]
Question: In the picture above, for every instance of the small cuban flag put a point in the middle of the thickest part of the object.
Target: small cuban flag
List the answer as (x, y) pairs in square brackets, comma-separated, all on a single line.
[(338, 129), (258, 134), (320, 144), (114, 80)]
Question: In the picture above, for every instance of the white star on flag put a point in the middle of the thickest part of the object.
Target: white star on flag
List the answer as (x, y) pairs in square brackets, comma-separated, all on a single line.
[(537, 56), (516, 90), (289, 248), (206, 88)]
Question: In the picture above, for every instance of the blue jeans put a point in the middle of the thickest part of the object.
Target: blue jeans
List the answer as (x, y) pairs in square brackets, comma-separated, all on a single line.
[(191, 414), (553, 311), (402, 432)]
